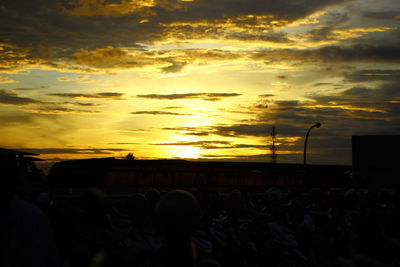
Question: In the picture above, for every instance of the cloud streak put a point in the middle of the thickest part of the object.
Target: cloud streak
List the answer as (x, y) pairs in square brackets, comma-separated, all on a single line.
[(159, 113), (334, 54), (212, 145), (106, 95), (202, 96), (10, 98)]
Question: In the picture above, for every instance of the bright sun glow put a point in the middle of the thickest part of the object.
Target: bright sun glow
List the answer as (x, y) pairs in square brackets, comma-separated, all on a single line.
[(185, 152)]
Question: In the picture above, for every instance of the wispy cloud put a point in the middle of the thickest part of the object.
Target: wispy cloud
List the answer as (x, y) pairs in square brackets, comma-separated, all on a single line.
[(60, 110), (374, 75), (106, 95), (31, 88), (266, 95), (36, 106), (4, 79), (202, 96), (195, 131), (212, 144), (194, 143), (11, 98), (332, 54), (159, 113)]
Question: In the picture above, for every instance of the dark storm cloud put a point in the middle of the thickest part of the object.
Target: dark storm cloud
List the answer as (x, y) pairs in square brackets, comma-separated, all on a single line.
[(258, 130), (382, 14), (273, 37), (301, 116), (325, 29), (159, 113), (277, 37), (381, 97), (111, 57), (202, 96), (288, 9), (107, 95), (287, 103), (10, 98), (334, 54), (374, 75), (59, 30), (49, 32)]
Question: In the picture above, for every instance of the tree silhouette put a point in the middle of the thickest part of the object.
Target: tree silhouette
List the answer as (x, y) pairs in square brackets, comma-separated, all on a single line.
[(130, 156)]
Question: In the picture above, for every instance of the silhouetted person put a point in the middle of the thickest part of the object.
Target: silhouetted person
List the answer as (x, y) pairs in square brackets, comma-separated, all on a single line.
[(137, 209), (177, 218), (26, 238), (153, 196)]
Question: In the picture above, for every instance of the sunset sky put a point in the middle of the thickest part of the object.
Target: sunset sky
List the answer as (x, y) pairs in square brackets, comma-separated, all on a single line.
[(195, 79)]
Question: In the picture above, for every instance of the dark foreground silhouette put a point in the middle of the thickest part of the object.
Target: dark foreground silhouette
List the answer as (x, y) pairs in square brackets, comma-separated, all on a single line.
[(275, 227)]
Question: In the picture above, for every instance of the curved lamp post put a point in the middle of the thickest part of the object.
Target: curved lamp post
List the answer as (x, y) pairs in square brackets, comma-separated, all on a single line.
[(305, 143)]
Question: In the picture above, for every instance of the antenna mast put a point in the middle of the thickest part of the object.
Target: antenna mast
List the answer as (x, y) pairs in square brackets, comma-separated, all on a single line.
[(274, 155)]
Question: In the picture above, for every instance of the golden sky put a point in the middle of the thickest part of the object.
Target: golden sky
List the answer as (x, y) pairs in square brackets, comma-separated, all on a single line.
[(203, 79)]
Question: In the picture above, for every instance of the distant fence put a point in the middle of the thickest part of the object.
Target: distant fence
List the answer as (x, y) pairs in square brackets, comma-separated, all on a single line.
[(179, 173)]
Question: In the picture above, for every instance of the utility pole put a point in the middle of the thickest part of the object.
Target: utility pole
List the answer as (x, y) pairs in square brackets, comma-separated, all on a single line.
[(274, 155)]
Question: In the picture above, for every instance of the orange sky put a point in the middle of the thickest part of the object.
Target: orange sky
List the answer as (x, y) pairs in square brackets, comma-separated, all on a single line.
[(197, 79)]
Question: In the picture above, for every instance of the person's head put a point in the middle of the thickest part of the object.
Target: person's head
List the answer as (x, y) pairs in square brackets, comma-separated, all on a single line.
[(177, 213), (93, 199), (274, 194), (236, 196), (152, 196), (137, 208), (119, 227), (43, 199), (96, 207)]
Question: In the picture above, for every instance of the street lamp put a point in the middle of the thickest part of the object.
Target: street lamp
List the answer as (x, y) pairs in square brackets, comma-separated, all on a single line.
[(305, 143)]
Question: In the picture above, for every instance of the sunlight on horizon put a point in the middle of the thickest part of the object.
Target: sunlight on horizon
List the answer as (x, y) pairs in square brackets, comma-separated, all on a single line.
[(185, 152)]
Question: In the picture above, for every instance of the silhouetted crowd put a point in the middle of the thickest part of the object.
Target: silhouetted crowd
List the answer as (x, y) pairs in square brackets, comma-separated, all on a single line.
[(307, 227)]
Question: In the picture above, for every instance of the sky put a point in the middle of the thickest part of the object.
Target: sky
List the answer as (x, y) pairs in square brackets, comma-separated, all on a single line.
[(197, 79)]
